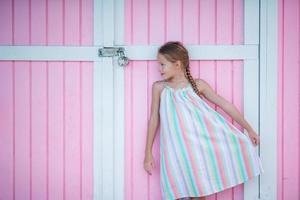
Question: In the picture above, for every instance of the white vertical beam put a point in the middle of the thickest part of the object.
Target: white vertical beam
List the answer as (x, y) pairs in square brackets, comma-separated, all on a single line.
[(119, 23), (251, 84), (97, 105), (104, 186), (251, 24), (107, 133), (98, 22), (268, 97), (97, 130), (119, 102)]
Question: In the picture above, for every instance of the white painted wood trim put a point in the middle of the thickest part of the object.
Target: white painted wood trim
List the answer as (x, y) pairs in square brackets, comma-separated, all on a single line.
[(134, 52), (251, 84), (198, 52), (50, 53), (97, 130), (109, 100), (268, 97), (119, 103), (97, 106), (104, 112), (251, 23)]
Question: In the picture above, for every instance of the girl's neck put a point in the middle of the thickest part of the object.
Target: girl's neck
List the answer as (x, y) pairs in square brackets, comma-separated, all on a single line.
[(178, 79)]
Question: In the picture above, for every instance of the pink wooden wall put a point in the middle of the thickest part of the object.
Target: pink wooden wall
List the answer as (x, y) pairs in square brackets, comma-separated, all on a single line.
[(46, 107), (192, 22), (288, 100)]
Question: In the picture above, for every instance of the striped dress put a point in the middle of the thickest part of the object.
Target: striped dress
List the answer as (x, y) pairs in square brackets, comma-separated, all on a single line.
[(201, 153)]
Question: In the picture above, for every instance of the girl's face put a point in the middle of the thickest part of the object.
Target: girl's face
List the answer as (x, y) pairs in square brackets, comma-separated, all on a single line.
[(167, 69)]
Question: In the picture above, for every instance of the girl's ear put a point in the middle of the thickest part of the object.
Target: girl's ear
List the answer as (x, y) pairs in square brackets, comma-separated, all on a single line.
[(177, 63)]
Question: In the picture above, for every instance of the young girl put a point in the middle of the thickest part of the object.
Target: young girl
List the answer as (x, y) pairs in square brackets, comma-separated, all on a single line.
[(201, 153)]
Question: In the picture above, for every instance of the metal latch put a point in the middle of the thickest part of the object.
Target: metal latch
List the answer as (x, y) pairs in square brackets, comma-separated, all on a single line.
[(114, 51)]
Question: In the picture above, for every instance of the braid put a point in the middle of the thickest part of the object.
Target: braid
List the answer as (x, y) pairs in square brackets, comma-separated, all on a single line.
[(192, 80)]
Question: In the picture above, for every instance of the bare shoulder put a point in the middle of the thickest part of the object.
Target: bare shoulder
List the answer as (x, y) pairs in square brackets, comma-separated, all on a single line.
[(157, 86), (201, 84)]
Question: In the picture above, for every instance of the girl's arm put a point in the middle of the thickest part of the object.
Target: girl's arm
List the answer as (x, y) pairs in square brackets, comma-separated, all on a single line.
[(229, 108), (154, 116)]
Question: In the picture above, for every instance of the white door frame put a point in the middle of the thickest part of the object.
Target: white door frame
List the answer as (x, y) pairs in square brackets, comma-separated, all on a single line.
[(259, 53)]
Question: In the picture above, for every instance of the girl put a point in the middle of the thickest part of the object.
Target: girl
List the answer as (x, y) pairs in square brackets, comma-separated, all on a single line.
[(201, 153)]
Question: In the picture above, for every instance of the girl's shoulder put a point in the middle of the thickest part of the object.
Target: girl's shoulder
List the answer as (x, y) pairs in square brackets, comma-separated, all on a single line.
[(158, 86), (201, 84)]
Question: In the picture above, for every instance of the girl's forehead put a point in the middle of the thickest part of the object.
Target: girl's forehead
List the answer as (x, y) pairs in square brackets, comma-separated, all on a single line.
[(161, 57)]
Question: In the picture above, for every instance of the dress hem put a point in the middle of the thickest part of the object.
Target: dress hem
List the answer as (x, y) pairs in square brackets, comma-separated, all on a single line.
[(216, 191)]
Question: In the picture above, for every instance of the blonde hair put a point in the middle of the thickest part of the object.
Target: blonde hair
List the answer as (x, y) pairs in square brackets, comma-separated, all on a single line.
[(174, 51)]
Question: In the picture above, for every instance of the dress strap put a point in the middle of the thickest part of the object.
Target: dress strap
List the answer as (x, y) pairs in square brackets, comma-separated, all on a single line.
[(165, 84)]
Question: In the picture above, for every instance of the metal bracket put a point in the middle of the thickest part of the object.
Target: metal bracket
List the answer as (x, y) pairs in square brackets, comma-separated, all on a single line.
[(114, 51)]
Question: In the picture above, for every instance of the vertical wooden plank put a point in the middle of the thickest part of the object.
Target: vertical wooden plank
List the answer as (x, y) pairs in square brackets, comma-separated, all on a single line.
[(55, 22), (6, 129), (21, 22), (87, 21), (71, 20), (97, 103), (55, 76), (72, 83), (290, 98), (119, 101), (55, 142), (38, 88), (6, 24), (139, 99), (107, 132), (38, 22), (251, 83), (97, 129), (6, 106), (156, 36), (72, 130), (269, 182), (104, 101), (173, 14), (280, 117), (22, 143)]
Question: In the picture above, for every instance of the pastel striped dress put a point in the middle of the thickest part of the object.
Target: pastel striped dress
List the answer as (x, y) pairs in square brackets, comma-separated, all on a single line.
[(201, 153)]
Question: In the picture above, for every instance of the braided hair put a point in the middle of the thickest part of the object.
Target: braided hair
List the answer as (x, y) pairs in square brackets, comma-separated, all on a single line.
[(173, 51)]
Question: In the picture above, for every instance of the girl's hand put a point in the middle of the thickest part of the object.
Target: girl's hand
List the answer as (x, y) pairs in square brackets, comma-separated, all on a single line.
[(149, 163), (254, 138)]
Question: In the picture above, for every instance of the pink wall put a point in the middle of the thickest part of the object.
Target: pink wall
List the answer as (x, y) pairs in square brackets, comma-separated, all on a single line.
[(46, 107), (288, 100), (192, 22)]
